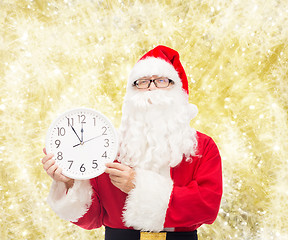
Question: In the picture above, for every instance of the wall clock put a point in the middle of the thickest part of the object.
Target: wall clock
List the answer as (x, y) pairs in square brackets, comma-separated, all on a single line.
[(82, 141)]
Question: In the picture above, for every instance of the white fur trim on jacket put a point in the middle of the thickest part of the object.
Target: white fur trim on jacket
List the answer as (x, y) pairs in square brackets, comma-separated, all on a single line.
[(147, 203), (75, 203)]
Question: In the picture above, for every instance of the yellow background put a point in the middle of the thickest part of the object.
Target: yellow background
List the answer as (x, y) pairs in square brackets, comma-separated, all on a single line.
[(57, 55)]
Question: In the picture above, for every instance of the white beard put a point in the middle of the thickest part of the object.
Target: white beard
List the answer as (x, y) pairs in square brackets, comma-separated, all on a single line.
[(155, 133)]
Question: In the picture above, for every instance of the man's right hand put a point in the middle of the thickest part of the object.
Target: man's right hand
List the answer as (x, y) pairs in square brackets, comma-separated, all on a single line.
[(54, 171)]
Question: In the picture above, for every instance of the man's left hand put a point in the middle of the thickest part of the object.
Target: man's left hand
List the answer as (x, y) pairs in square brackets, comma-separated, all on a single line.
[(121, 176)]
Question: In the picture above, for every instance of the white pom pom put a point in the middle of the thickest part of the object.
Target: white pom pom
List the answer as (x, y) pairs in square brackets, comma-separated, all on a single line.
[(193, 111)]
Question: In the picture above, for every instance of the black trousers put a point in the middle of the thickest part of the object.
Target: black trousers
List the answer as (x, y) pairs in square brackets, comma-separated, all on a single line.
[(128, 234)]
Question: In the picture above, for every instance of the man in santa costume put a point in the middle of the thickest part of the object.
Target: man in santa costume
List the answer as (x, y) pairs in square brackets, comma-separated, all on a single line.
[(167, 179)]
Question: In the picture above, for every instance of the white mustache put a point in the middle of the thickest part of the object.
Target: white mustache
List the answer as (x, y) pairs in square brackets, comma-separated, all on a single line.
[(155, 97)]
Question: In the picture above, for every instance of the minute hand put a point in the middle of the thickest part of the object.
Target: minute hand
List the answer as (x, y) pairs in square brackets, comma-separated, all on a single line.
[(76, 133), (87, 140)]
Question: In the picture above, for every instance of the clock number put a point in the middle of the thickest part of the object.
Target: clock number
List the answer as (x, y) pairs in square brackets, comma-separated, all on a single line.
[(57, 142), (59, 155), (104, 155), (95, 164), (94, 121), (106, 143), (61, 131), (70, 121), (81, 118), (71, 162), (105, 129), (82, 168)]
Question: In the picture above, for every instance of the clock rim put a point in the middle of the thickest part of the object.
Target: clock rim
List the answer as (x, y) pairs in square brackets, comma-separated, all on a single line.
[(80, 109)]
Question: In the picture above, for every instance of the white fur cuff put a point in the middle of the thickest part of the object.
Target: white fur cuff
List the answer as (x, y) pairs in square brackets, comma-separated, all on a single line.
[(146, 205), (75, 203)]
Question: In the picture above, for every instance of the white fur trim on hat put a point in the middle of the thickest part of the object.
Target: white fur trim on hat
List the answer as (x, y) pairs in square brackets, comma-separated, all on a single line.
[(154, 66), (147, 203), (74, 204)]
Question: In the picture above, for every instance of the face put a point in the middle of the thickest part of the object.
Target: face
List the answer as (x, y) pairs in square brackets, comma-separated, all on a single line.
[(152, 85)]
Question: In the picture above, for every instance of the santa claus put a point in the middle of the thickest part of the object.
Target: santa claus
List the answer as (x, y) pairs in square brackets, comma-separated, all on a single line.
[(167, 178)]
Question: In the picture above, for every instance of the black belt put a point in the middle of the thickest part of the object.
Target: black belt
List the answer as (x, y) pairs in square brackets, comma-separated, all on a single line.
[(129, 234)]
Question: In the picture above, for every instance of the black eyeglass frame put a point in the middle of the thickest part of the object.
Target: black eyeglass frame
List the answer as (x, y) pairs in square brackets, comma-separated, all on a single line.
[(152, 80)]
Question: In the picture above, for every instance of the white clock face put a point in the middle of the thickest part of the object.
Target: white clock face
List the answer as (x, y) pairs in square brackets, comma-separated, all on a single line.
[(82, 141)]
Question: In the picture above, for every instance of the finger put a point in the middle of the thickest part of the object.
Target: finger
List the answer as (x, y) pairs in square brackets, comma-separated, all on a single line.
[(116, 165), (51, 170), (116, 184), (116, 179), (47, 158), (58, 172), (113, 172), (44, 151), (59, 176), (62, 177), (48, 164)]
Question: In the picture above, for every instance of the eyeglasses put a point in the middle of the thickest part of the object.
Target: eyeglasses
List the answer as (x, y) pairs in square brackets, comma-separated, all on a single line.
[(162, 82)]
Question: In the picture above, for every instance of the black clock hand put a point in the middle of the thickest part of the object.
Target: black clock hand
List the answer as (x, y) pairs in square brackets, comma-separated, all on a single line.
[(76, 134), (82, 133), (78, 144), (86, 141)]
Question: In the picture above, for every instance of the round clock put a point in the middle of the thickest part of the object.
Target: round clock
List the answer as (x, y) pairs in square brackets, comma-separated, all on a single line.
[(82, 141)]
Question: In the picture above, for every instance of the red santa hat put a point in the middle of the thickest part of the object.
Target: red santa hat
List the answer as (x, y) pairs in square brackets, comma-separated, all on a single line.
[(161, 61)]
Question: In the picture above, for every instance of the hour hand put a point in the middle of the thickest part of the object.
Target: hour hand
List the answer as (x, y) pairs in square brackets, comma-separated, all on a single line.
[(78, 144)]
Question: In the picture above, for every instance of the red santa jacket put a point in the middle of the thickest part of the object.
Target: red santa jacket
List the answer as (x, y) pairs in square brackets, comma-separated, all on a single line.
[(184, 201)]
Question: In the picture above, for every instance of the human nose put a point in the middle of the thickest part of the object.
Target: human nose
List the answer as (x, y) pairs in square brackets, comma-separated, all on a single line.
[(152, 86)]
